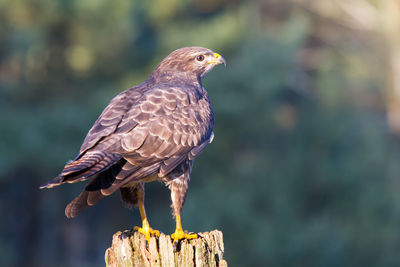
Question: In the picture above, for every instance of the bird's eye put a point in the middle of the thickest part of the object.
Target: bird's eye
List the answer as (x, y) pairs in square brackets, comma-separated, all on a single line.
[(200, 58)]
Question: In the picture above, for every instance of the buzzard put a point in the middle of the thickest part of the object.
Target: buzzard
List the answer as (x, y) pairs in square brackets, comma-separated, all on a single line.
[(151, 132)]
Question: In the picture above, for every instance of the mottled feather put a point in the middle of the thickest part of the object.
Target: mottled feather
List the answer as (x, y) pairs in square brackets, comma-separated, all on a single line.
[(152, 131)]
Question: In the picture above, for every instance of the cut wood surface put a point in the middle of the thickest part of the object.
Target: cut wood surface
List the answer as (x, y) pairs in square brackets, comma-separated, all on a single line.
[(131, 249)]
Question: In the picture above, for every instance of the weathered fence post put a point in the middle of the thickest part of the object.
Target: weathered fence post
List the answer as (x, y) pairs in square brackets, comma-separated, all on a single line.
[(131, 249)]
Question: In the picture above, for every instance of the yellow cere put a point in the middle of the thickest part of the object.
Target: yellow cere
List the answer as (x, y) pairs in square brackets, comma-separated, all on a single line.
[(217, 56)]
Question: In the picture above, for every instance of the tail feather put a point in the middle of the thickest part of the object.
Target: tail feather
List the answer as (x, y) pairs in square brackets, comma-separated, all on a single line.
[(92, 192), (109, 172), (107, 183), (77, 205)]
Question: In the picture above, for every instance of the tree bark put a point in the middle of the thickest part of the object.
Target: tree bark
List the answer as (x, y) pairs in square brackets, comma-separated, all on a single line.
[(131, 249)]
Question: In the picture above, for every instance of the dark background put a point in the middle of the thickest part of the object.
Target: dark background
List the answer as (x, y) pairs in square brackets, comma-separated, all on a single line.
[(304, 167)]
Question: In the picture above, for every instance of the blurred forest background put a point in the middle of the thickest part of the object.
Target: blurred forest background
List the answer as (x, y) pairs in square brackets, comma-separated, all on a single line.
[(304, 168)]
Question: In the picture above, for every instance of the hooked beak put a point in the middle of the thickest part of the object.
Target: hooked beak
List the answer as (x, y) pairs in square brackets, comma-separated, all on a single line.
[(218, 59)]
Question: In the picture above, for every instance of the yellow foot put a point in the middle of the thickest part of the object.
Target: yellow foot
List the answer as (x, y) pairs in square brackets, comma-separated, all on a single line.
[(147, 231), (180, 234)]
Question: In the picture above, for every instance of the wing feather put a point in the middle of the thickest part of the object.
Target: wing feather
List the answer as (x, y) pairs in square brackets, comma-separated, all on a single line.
[(154, 126), (111, 116), (166, 129)]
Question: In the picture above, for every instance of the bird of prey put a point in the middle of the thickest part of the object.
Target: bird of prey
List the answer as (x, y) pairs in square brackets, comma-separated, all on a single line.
[(150, 132)]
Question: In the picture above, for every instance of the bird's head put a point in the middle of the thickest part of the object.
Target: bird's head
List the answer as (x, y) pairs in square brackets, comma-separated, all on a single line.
[(190, 62)]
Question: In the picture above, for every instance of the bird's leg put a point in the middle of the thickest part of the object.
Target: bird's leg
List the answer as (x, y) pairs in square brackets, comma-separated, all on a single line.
[(179, 233), (145, 229), (179, 186)]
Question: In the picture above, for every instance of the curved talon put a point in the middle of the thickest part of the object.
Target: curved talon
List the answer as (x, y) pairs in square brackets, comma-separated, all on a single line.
[(146, 230), (180, 234)]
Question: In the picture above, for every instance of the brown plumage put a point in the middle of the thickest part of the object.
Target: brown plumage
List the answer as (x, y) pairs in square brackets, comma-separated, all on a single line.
[(150, 132)]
